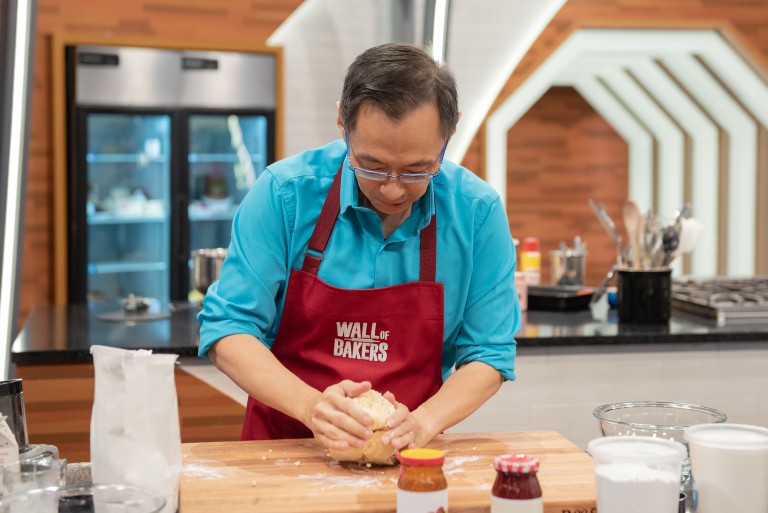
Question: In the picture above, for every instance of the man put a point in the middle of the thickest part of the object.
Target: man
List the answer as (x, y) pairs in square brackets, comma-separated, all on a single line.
[(368, 263)]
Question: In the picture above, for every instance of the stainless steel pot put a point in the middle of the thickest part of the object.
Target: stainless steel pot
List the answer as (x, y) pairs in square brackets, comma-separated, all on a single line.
[(206, 267)]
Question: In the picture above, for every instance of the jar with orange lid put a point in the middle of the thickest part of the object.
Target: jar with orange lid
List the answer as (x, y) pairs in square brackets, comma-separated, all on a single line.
[(516, 488), (422, 486)]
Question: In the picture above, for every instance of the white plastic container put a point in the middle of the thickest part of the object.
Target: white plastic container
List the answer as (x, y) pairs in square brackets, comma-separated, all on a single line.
[(730, 467), (637, 473)]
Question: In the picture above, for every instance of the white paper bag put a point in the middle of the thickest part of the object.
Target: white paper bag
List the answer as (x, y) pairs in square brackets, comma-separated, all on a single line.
[(135, 437), (9, 447)]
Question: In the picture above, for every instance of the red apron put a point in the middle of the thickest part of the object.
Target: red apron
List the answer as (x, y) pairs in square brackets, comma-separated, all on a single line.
[(390, 336)]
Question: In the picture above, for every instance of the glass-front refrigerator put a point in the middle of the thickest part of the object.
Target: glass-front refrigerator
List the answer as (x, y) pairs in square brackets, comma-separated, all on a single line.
[(128, 170), (226, 153), (163, 146)]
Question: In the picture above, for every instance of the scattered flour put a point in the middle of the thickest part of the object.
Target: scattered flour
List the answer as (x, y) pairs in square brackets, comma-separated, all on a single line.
[(326, 481), (453, 464), (206, 472)]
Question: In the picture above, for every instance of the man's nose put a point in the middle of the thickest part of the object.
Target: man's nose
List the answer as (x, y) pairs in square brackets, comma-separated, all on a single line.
[(392, 188)]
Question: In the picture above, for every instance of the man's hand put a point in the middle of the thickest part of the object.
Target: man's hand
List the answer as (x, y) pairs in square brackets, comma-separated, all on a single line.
[(407, 429), (336, 421)]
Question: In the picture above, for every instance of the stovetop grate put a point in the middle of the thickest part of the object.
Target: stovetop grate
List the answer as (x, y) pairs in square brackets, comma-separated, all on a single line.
[(726, 300)]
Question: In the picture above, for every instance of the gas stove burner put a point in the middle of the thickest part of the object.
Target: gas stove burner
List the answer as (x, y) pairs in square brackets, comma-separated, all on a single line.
[(736, 298), (726, 300)]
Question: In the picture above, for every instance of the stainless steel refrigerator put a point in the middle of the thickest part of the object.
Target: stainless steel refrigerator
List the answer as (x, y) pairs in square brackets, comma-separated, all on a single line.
[(163, 146)]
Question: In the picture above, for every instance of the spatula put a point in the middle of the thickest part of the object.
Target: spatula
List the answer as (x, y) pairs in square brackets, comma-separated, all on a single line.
[(635, 226)]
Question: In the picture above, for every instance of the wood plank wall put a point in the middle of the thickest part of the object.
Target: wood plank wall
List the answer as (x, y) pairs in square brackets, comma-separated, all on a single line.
[(58, 400), (546, 201), (241, 23), (564, 140)]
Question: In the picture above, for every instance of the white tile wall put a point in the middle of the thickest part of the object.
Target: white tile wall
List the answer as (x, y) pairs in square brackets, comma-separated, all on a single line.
[(557, 388)]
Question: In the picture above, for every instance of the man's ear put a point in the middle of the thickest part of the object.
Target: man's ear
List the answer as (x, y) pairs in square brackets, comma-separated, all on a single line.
[(339, 122), (457, 122)]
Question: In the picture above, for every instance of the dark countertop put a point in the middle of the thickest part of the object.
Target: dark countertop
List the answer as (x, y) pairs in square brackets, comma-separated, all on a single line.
[(65, 333), (549, 329)]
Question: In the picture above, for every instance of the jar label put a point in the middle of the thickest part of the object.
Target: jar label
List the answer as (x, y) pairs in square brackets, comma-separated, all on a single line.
[(422, 502), (499, 505)]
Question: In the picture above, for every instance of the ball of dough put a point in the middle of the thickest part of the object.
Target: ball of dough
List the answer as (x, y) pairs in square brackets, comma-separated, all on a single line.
[(373, 451)]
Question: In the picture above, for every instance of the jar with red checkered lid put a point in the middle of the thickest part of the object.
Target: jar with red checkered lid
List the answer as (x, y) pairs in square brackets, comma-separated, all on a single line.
[(516, 489)]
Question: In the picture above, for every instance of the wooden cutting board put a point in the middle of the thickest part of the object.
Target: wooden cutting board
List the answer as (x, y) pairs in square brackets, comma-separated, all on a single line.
[(297, 476)]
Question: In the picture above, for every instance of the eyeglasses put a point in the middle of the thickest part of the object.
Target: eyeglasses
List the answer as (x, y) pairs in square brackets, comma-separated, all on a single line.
[(380, 176)]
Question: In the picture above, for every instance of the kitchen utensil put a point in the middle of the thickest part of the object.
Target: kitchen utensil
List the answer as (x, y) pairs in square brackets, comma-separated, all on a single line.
[(637, 473), (730, 466), (558, 298), (567, 267), (683, 213), (600, 290), (206, 267), (644, 295), (654, 418), (85, 498), (690, 231), (670, 237), (670, 240), (652, 240), (12, 406), (29, 474), (634, 224), (607, 222), (37, 452)]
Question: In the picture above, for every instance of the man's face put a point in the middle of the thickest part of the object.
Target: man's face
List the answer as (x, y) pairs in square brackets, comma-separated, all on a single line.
[(410, 145)]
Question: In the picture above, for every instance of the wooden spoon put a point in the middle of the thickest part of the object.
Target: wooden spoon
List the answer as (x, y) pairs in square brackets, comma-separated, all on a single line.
[(635, 225)]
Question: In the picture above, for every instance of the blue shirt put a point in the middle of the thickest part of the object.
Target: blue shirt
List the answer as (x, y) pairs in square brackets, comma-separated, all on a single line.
[(272, 227)]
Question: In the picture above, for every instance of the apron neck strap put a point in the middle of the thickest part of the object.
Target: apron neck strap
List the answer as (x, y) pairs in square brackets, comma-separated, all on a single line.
[(428, 260), (327, 219)]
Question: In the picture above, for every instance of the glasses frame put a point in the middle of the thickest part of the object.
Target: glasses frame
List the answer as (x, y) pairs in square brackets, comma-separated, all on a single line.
[(381, 176)]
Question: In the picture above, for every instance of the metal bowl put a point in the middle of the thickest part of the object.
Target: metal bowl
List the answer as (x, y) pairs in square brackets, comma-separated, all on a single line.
[(206, 267)]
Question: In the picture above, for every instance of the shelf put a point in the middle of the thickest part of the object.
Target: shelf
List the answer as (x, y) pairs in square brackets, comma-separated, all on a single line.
[(107, 218), (125, 267), (123, 158), (202, 158), (212, 216), (219, 211)]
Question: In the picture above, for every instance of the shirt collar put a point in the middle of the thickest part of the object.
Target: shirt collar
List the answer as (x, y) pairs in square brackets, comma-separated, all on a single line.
[(349, 197)]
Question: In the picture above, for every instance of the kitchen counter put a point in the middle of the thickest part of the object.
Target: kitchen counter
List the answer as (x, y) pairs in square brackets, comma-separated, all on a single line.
[(290, 476), (64, 333), (584, 327)]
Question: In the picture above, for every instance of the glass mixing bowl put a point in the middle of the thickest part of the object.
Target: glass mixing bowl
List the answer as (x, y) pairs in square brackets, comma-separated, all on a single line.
[(654, 418), (84, 498)]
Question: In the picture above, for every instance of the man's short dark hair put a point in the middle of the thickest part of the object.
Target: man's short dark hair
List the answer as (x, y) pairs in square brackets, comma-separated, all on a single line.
[(397, 78)]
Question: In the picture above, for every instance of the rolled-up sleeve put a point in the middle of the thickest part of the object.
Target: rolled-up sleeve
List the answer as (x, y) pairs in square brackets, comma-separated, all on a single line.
[(242, 301), (492, 313)]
